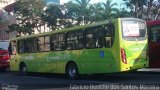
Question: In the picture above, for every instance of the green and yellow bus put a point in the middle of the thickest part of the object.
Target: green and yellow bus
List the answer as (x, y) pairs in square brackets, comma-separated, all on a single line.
[(110, 46)]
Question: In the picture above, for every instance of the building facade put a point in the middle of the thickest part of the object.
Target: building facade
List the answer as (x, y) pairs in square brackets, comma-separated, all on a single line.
[(6, 18), (4, 3)]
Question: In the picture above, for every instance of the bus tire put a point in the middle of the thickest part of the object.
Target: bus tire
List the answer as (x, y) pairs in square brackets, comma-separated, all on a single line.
[(72, 71), (23, 69)]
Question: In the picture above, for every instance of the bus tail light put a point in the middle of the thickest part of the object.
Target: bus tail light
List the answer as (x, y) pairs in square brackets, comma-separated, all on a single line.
[(123, 56)]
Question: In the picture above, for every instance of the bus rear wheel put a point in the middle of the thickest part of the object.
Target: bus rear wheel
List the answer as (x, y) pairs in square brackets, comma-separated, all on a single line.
[(72, 71), (23, 69)]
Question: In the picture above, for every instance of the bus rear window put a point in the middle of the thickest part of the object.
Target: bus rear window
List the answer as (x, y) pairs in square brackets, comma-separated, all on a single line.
[(133, 30)]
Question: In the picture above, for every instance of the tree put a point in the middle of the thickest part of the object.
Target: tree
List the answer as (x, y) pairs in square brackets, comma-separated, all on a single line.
[(137, 7), (97, 12), (155, 10), (72, 12), (78, 11), (109, 9), (103, 11), (123, 13), (144, 9), (84, 13), (28, 13), (52, 15), (149, 6)]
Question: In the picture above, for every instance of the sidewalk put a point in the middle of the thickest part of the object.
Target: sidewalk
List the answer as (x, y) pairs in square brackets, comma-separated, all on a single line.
[(149, 69)]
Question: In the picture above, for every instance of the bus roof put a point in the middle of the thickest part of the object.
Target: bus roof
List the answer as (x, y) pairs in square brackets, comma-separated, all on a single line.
[(64, 30), (72, 28), (153, 22)]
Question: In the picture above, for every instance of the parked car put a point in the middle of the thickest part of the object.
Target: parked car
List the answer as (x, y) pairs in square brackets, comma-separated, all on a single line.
[(4, 55)]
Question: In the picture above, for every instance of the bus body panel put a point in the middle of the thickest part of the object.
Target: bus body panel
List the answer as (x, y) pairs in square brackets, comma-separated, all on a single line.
[(136, 53), (102, 61), (135, 50), (88, 61)]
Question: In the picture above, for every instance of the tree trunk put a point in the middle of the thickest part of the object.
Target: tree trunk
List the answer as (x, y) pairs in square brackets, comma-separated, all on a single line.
[(149, 9)]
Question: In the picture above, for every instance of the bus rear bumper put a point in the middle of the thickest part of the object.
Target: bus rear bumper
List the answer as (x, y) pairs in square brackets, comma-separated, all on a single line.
[(139, 66), (134, 67)]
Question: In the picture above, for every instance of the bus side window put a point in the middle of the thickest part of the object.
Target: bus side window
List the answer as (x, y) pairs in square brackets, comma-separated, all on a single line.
[(58, 42), (31, 45), (89, 40), (109, 35), (43, 43), (94, 37), (62, 41), (22, 46), (99, 37), (80, 38), (47, 43), (54, 41), (71, 40), (75, 40)]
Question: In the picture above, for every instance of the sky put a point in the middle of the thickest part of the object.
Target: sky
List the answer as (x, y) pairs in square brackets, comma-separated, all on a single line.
[(119, 2)]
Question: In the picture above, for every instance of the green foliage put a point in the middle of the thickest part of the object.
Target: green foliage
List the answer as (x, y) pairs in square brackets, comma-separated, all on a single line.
[(103, 11), (56, 17), (33, 14), (83, 12), (28, 14), (109, 10), (96, 12), (51, 16), (136, 6), (144, 9), (123, 13), (78, 11)]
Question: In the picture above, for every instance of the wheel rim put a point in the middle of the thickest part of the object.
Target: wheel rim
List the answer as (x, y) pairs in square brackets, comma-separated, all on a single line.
[(72, 72), (24, 69)]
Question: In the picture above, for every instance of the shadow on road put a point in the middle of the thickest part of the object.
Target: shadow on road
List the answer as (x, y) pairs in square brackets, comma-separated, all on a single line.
[(102, 77), (45, 81)]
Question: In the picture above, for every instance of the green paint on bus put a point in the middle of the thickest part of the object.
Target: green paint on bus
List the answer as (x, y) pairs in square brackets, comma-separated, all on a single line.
[(104, 47)]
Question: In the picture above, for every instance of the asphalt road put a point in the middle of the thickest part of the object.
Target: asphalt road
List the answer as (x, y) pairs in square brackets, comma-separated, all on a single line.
[(36, 81)]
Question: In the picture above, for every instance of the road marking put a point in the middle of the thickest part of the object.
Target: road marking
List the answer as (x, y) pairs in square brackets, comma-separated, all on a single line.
[(149, 70)]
